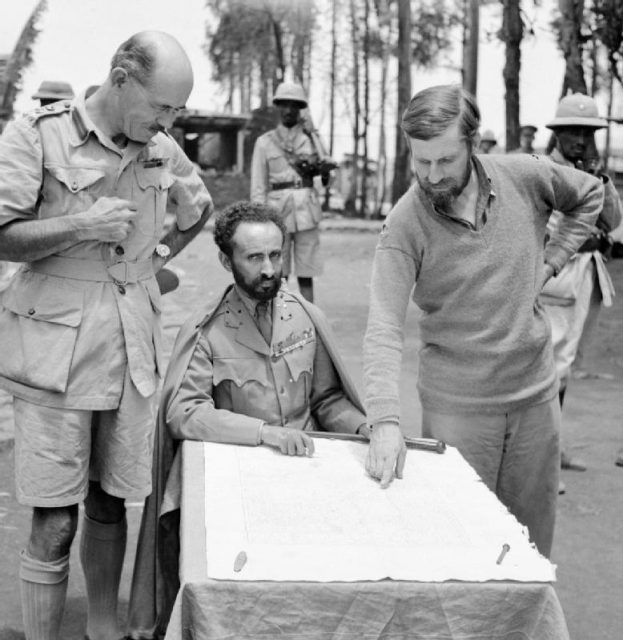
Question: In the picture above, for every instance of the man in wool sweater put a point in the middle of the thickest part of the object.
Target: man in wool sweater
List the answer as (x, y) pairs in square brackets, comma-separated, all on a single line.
[(467, 243)]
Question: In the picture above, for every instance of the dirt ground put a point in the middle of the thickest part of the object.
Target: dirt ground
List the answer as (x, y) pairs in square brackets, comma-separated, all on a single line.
[(588, 547)]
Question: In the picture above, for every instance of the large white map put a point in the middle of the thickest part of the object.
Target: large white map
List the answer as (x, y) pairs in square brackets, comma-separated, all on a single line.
[(324, 519)]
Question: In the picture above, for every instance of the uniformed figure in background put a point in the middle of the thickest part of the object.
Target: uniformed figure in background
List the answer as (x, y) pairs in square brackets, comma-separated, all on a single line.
[(285, 162), (573, 298), (51, 91), (257, 366), (526, 138), (487, 142), (83, 191)]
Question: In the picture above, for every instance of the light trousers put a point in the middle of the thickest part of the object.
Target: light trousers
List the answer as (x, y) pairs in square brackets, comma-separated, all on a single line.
[(516, 454)]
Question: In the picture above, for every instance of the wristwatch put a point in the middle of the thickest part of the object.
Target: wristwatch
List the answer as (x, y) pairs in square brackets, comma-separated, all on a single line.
[(162, 251)]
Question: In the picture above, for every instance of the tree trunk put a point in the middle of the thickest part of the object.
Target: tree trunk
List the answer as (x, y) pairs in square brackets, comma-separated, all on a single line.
[(384, 30), (470, 46), (351, 201), (327, 191), (363, 211), (401, 163), (512, 33), (572, 12)]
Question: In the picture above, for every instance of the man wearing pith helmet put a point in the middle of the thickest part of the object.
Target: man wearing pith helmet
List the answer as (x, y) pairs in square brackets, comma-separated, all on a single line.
[(574, 297), (285, 161), (50, 91)]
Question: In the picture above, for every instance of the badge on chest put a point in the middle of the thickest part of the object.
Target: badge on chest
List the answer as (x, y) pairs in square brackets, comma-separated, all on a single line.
[(293, 342)]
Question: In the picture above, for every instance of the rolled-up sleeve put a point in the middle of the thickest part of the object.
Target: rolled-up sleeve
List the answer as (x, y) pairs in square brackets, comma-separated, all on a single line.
[(21, 168), (579, 197), (188, 194)]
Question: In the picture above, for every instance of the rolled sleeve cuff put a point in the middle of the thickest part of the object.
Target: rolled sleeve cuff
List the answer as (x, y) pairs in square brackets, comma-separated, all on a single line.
[(382, 410), (189, 214)]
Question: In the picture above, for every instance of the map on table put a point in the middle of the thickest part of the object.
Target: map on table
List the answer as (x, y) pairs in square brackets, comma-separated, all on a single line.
[(322, 518)]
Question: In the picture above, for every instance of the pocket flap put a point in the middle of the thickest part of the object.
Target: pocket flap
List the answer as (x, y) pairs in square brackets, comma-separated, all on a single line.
[(63, 306), (239, 370), (76, 178), (153, 177), (300, 361)]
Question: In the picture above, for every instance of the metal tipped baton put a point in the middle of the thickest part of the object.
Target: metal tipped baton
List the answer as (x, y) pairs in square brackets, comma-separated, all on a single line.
[(425, 444)]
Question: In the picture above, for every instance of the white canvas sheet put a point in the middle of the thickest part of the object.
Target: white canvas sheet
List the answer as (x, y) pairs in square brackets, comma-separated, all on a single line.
[(323, 519)]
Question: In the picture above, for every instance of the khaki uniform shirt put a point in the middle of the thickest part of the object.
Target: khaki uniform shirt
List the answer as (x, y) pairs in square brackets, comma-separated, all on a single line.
[(65, 341), (235, 381), (300, 207)]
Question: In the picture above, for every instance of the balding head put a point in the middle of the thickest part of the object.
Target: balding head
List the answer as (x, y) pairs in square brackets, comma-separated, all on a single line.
[(151, 57)]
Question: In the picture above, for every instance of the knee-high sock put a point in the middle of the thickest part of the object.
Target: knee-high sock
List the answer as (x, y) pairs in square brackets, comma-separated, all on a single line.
[(43, 588), (102, 549)]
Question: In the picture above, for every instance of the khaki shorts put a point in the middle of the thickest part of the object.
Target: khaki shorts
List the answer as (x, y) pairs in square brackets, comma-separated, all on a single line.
[(306, 253), (57, 451)]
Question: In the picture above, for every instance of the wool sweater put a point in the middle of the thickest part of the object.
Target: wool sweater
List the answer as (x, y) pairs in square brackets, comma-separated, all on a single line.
[(485, 339)]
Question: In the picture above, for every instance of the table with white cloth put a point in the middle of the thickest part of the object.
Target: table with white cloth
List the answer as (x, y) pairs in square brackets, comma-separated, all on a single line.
[(311, 548)]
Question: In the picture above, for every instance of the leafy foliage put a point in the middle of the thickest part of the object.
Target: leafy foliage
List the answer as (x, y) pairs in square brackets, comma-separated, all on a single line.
[(20, 60)]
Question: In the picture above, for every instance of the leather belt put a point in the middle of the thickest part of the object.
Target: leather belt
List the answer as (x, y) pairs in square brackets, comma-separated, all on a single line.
[(298, 184), (121, 272)]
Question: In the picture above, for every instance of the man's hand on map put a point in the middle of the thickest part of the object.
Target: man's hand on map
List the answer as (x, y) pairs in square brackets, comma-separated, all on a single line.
[(291, 442), (387, 453)]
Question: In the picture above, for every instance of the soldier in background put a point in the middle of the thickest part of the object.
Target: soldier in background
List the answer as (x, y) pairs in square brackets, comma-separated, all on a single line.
[(51, 91), (526, 138), (574, 297), (285, 162), (487, 142)]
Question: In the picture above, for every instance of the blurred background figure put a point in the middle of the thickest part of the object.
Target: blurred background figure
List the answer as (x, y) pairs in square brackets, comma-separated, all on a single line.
[(526, 138), (574, 297), (487, 142), (50, 91)]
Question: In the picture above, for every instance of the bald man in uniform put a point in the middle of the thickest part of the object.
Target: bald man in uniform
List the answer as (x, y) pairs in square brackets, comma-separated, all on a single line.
[(84, 186)]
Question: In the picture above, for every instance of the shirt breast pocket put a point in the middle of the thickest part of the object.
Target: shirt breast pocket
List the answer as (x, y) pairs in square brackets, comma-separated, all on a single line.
[(69, 189), (240, 384), (153, 188), (39, 330)]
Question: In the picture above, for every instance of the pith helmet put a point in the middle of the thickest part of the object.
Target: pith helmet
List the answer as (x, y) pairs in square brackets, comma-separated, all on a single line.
[(53, 90), (577, 110), (488, 136), (290, 91)]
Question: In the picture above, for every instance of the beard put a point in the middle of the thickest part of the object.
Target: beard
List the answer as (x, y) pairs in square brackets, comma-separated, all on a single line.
[(263, 288), (444, 193)]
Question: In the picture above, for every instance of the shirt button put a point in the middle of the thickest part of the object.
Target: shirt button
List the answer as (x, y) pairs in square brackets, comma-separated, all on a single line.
[(119, 250), (74, 185), (31, 312), (121, 289)]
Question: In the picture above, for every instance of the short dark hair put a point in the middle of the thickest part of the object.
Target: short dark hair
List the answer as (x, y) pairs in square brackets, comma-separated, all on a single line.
[(137, 56), (431, 111), (227, 222)]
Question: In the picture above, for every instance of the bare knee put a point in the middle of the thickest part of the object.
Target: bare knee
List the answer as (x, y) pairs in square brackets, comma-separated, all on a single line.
[(103, 507), (53, 530)]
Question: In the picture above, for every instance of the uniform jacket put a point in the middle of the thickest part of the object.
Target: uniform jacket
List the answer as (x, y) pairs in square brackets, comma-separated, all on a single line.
[(155, 582), (300, 207), (71, 323)]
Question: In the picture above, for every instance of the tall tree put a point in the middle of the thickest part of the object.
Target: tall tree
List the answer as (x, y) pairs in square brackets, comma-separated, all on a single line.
[(471, 10), (401, 162), (254, 43), (19, 61), (571, 42), (512, 34)]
